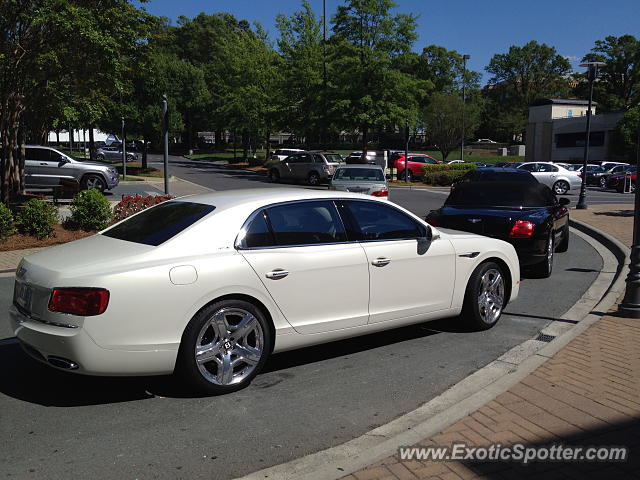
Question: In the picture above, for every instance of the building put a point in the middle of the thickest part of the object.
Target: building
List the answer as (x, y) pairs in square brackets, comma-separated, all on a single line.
[(556, 131)]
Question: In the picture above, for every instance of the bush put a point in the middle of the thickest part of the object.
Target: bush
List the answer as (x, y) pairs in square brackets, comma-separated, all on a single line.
[(443, 178), (445, 167), (130, 205), (37, 218), (6, 222), (90, 211)]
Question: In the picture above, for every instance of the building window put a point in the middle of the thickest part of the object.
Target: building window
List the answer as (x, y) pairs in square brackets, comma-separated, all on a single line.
[(573, 140)]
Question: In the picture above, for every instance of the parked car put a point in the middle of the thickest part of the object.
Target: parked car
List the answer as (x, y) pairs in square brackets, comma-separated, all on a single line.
[(495, 174), (416, 163), (312, 167), (527, 215), (608, 165), (45, 167), (559, 179), (209, 286), (114, 155), (365, 179), (372, 157), (455, 161), (485, 140), (507, 164), (283, 153), (618, 180), (601, 177)]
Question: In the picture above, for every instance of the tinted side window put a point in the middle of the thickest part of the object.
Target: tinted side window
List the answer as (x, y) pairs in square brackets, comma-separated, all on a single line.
[(41, 154), (379, 222), (530, 167), (306, 223), (545, 167), (258, 233), (160, 223)]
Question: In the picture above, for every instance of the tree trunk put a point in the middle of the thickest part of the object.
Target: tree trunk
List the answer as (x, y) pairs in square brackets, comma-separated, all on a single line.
[(92, 144), (245, 146), (71, 140), (10, 112), (218, 141), (57, 138), (267, 148), (144, 152), (364, 144)]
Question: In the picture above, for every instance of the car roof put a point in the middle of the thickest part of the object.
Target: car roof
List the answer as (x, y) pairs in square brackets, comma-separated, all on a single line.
[(502, 170), (359, 165), (533, 187)]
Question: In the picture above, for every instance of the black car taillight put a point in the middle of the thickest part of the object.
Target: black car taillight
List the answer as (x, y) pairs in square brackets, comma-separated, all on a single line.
[(79, 301), (522, 229)]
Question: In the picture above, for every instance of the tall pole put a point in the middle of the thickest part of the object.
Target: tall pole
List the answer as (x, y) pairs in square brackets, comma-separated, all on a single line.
[(124, 152), (630, 306), (464, 85), (591, 76), (406, 152), (324, 67), (165, 141)]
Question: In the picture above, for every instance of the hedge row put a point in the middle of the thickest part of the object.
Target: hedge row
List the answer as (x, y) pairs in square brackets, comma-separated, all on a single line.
[(445, 167)]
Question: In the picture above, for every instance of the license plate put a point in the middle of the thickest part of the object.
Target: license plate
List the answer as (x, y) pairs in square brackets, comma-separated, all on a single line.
[(22, 295)]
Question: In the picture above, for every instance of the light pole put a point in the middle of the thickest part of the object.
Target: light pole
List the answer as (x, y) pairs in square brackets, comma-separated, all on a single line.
[(464, 84), (406, 152), (165, 141), (591, 76), (630, 306), (124, 152)]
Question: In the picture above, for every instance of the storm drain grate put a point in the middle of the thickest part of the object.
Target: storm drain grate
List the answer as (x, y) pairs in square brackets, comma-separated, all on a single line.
[(543, 337)]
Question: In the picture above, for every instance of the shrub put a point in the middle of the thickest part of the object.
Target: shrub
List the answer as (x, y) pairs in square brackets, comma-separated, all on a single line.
[(130, 205), (6, 222), (90, 211), (37, 218), (443, 178), (442, 167)]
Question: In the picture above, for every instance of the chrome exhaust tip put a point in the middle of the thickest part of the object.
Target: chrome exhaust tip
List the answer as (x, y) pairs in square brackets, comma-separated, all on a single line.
[(62, 363)]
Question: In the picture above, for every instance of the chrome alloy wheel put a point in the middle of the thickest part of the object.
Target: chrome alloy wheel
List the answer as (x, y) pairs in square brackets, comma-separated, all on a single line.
[(229, 346), (491, 296)]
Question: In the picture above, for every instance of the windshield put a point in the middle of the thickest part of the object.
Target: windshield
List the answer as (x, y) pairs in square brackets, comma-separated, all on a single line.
[(160, 223), (359, 174), (333, 158)]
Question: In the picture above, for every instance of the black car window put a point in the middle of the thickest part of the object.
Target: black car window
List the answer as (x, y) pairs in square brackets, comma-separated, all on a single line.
[(41, 154), (529, 167), (417, 159), (257, 233), (306, 223), (545, 167), (318, 158), (160, 223), (380, 222)]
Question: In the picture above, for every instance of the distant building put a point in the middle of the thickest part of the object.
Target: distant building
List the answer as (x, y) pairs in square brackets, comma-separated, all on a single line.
[(556, 131)]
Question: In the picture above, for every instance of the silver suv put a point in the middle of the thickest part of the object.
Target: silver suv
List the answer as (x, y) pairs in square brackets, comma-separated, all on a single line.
[(114, 155), (312, 167), (45, 167)]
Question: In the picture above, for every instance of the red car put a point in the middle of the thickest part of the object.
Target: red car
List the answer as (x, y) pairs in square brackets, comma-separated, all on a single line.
[(416, 162), (617, 182)]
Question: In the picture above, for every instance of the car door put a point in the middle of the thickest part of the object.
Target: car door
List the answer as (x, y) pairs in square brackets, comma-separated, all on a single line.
[(405, 280), (55, 168), (300, 252), (34, 162), (285, 167), (547, 174), (301, 166)]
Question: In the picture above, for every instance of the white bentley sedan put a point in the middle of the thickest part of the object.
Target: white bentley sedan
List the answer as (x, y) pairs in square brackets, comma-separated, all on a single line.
[(209, 286)]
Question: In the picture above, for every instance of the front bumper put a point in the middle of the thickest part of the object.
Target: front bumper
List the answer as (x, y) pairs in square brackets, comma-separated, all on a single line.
[(50, 344), (112, 180)]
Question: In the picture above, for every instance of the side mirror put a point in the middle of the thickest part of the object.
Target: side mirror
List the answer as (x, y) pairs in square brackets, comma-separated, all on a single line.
[(425, 242), (564, 201)]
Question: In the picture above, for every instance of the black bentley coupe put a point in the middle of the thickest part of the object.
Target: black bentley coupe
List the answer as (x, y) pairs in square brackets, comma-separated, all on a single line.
[(527, 215)]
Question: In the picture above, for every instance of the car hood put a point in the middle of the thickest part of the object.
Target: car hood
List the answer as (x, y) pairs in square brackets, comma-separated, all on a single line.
[(93, 164), (358, 187)]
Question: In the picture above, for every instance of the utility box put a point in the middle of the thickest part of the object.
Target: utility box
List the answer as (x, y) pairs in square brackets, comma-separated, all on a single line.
[(502, 152), (517, 150)]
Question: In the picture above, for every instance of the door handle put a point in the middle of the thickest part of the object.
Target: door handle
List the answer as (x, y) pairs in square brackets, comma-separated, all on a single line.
[(381, 262), (277, 274), (43, 164)]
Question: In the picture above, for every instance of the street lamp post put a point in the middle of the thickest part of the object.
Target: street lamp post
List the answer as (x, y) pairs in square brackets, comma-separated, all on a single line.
[(464, 84), (124, 152), (630, 306), (406, 152), (591, 76), (165, 141)]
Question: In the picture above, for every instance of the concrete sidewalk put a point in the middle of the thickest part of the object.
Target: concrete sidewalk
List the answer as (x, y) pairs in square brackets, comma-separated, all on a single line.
[(587, 394)]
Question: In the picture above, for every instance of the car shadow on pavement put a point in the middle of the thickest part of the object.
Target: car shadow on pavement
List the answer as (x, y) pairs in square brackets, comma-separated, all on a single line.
[(33, 382)]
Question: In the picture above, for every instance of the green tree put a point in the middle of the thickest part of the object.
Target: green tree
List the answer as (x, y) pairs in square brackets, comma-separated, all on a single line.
[(442, 119), (626, 136), (445, 70), (368, 87), (618, 85), (519, 77)]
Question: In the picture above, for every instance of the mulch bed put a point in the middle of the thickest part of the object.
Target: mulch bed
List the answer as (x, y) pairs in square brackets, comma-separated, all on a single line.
[(61, 235)]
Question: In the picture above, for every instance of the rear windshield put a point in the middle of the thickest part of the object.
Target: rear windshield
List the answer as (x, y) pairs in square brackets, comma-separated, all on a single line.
[(160, 223), (513, 197), (360, 174), (333, 158)]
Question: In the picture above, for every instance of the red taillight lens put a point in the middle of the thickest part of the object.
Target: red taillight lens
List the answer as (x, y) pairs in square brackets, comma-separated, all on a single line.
[(79, 301), (522, 229), (381, 193)]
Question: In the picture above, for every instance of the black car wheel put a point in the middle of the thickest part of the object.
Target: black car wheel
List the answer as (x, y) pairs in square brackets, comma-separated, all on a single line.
[(406, 175), (93, 182), (100, 157), (274, 176), (484, 298), (563, 246), (544, 268), (560, 187), (224, 347), (603, 182), (313, 179)]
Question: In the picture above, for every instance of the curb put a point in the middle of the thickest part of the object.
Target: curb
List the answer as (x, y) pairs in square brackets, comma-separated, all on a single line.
[(472, 392)]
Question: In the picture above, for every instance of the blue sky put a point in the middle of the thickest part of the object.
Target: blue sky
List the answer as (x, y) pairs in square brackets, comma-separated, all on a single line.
[(477, 28)]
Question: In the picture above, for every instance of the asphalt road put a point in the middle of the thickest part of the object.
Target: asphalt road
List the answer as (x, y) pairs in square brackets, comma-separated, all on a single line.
[(56, 424)]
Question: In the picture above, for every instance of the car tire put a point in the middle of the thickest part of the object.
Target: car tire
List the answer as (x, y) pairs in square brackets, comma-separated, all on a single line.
[(545, 268), (484, 298), (313, 179), (406, 175), (131, 158), (274, 175), (603, 182), (231, 360), (93, 182), (561, 187), (563, 246), (100, 157)]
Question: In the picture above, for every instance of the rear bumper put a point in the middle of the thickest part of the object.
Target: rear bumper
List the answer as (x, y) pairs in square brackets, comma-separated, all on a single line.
[(530, 252), (53, 345)]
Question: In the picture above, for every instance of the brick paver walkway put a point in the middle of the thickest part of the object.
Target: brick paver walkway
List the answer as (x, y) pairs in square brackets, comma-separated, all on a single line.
[(588, 394)]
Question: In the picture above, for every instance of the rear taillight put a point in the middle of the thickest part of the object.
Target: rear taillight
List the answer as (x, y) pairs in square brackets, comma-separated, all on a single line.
[(580, 175), (79, 301), (522, 229), (381, 193)]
